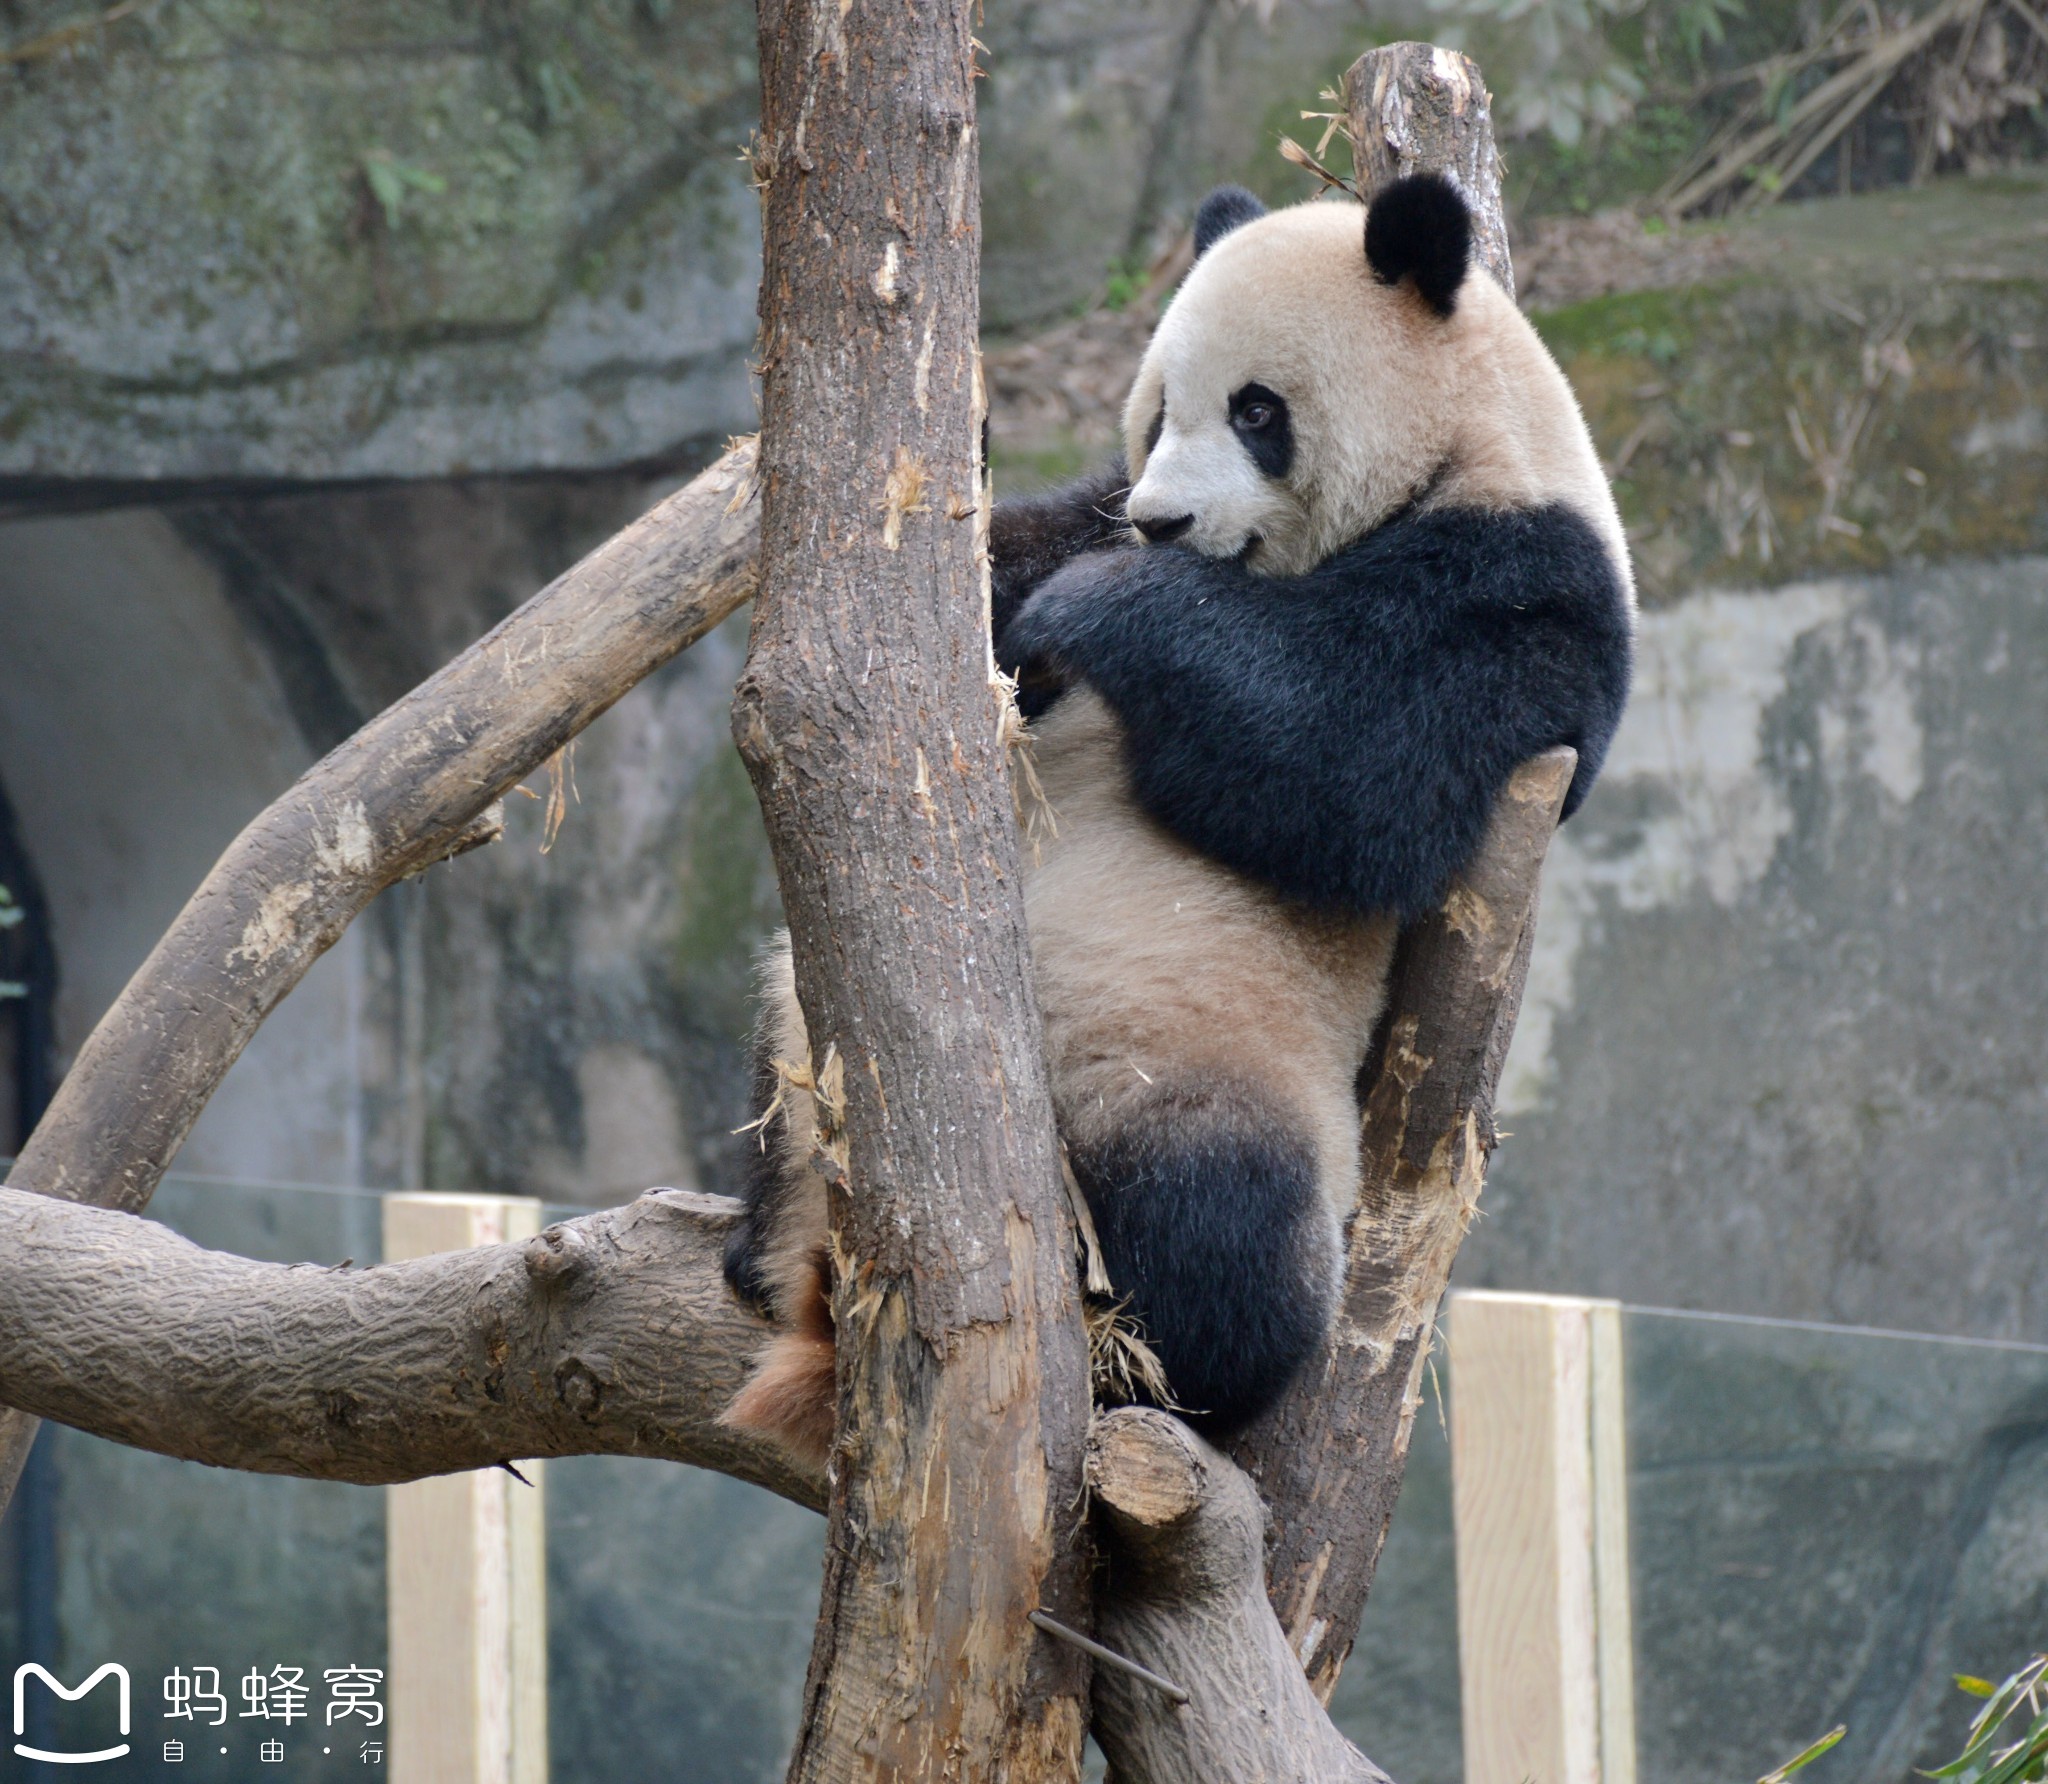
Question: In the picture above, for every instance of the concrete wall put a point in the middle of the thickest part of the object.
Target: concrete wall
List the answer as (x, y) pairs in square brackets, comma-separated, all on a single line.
[(139, 729), (1783, 1045)]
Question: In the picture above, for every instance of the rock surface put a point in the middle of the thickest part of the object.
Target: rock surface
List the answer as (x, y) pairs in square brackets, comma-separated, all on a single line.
[(258, 242)]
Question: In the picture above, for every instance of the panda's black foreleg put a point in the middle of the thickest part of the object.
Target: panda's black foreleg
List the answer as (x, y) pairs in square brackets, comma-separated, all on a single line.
[(1216, 1233)]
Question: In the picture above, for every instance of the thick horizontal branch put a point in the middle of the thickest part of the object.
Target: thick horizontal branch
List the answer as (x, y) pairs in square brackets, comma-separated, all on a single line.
[(613, 1334)]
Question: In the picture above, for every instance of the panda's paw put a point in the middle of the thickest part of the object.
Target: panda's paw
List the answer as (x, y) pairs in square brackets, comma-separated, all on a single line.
[(1057, 626)]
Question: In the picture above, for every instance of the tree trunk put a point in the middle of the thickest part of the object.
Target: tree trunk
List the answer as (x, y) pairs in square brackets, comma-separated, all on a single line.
[(876, 733)]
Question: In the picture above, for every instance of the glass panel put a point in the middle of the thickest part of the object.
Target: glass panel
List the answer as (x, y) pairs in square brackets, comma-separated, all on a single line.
[(1825, 1524), (1397, 1697), (162, 1564), (680, 1608)]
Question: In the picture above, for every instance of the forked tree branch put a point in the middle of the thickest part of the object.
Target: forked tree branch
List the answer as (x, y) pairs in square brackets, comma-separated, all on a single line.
[(414, 786), (1186, 1594)]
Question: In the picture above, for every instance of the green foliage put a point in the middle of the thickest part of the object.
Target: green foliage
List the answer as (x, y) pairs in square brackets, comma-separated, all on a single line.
[(1569, 73), (1124, 281), (2008, 1740), (1800, 1761), (390, 179), (1606, 168), (1577, 69)]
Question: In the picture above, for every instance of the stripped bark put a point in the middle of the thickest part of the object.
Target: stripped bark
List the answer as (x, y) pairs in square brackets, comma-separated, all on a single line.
[(1186, 1595), (875, 730), (1330, 1457), (415, 785), (612, 1334)]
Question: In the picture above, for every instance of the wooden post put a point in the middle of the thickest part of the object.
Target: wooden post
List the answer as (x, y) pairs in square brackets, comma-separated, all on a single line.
[(1540, 1499), (466, 1570)]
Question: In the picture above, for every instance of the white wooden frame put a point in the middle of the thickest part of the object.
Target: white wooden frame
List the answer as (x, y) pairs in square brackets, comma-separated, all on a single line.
[(465, 1571), (1539, 1496)]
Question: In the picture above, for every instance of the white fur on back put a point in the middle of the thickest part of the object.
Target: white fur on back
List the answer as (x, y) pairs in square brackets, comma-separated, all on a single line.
[(1154, 968)]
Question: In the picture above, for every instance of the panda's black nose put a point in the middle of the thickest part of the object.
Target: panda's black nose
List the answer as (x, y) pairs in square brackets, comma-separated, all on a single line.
[(1157, 532)]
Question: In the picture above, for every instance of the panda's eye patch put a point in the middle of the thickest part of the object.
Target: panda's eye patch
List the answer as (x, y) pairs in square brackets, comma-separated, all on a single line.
[(1153, 432), (1259, 418)]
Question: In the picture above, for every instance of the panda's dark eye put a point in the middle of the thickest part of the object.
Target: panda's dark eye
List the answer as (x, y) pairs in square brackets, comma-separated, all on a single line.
[(1259, 418)]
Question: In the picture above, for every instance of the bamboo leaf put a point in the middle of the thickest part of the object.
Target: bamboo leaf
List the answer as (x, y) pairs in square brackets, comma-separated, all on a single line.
[(1800, 1761)]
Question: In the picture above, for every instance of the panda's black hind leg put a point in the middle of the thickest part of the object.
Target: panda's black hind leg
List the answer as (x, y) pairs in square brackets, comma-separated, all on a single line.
[(1216, 1233)]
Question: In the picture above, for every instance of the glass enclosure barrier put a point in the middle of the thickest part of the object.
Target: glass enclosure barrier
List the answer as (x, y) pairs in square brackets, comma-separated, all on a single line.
[(1826, 1525), (1823, 1525)]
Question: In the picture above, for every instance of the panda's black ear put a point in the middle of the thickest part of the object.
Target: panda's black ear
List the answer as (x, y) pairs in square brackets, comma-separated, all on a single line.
[(1225, 209), (1420, 228)]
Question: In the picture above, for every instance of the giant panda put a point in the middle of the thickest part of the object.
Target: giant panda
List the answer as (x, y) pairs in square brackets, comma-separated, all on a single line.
[(1359, 561)]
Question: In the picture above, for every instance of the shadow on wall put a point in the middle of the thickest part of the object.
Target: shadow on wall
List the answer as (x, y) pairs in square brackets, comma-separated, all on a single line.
[(567, 1023)]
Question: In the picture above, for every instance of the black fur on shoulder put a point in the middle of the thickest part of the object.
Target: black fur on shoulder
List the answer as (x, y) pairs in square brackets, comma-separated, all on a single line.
[(1341, 736), (1420, 228), (1215, 1236), (1225, 209), (1029, 537)]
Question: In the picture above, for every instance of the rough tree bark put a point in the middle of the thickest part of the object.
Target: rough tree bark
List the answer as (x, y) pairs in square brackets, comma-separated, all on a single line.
[(876, 733), (1187, 1590), (1420, 108), (415, 785), (612, 1334)]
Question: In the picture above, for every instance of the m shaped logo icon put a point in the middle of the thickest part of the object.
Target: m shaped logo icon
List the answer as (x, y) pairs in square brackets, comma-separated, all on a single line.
[(21, 1678)]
